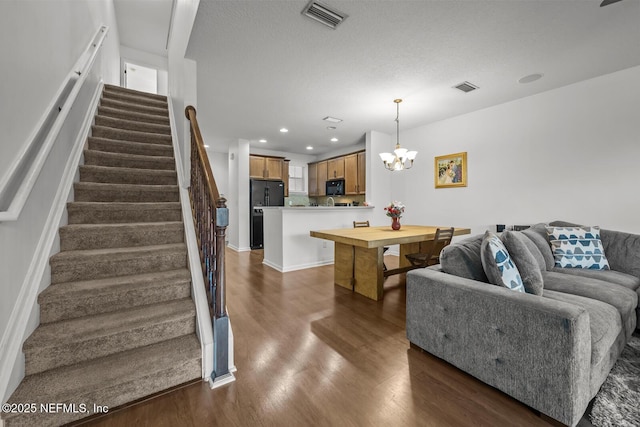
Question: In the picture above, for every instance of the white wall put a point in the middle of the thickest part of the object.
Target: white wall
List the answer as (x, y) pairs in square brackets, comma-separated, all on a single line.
[(40, 42), (238, 196), (182, 73), (220, 168), (569, 154)]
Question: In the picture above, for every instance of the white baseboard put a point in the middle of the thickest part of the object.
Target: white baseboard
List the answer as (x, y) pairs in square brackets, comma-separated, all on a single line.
[(223, 380), (282, 269), (237, 249), (18, 324)]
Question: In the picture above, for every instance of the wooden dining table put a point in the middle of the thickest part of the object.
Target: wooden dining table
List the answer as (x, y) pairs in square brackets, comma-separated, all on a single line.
[(358, 253)]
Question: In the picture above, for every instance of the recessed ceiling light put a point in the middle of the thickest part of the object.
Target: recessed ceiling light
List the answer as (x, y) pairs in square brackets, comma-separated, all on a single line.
[(284, 130), (206, 146), (331, 128), (530, 78), (334, 139), (309, 147), (262, 140), (332, 119)]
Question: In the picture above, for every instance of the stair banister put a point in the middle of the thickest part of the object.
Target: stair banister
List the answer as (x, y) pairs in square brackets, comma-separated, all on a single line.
[(211, 218)]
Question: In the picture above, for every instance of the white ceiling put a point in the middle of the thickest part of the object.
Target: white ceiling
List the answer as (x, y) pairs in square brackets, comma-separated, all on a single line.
[(144, 24), (262, 65)]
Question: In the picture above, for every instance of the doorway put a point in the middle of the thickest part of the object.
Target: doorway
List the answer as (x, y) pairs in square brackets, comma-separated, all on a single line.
[(138, 77)]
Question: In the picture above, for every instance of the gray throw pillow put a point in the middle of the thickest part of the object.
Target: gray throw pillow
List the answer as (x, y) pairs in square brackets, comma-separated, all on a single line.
[(538, 235), (519, 247), (498, 265), (462, 259)]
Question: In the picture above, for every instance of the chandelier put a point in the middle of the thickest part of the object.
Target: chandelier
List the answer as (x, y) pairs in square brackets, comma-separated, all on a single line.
[(401, 158)]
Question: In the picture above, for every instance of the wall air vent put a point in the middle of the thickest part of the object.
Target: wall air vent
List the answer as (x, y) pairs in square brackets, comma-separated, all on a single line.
[(323, 14), (466, 87)]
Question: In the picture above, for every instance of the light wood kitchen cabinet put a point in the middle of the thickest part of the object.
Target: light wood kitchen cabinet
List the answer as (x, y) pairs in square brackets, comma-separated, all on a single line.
[(322, 178), (285, 176), (351, 174), (313, 179), (335, 168), (362, 172), (263, 167), (355, 173)]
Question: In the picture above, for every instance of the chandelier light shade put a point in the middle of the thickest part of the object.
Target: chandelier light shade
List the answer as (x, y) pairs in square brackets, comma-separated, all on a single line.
[(401, 158)]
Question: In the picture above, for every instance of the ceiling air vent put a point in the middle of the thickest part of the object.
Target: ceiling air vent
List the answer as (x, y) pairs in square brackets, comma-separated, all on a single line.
[(323, 14), (466, 87)]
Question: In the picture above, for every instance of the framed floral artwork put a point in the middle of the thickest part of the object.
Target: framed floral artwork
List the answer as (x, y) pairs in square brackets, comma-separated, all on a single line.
[(451, 170)]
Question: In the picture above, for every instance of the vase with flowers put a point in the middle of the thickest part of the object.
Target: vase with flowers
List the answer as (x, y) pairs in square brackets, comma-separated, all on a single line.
[(395, 210)]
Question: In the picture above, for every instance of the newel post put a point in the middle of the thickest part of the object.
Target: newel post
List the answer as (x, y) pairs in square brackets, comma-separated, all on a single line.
[(221, 321)]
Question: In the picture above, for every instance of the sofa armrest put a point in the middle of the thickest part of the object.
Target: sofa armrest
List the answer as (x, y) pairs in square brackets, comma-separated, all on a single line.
[(622, 251), (533, 348)]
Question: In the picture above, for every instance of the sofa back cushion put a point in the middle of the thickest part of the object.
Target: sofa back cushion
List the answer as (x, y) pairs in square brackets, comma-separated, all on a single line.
[(463, 259), (498, 265), (527, 257), (538, 235)]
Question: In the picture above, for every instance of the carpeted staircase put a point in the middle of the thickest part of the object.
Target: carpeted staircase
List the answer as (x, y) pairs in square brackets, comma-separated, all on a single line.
[(117, 323)]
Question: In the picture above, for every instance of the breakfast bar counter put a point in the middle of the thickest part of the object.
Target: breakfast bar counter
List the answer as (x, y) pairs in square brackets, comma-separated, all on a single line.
[(287, 243)]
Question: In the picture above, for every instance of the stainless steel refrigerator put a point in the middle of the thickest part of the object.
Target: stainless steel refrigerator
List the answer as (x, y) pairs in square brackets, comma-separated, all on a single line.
[(263, 193)]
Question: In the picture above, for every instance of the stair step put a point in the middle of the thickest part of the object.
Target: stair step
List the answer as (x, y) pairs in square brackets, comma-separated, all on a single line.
[(112, 175), (125, 124), (109, 381), (133, 161), (92, 264), (71, 300), (73, 341), (129, 147), (130, 135), (132, 115), (100, 192), (103, 236), (134, 99), (124, 106), (101, 213), (124, 90)]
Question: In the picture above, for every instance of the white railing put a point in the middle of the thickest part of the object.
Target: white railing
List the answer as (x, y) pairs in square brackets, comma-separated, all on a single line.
[(18, 181)]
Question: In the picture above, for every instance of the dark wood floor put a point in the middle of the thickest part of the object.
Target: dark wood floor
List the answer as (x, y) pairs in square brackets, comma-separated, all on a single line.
[(311, 353)]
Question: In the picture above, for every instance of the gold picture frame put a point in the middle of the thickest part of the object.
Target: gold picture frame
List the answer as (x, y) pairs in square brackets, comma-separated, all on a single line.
[(451, 170)]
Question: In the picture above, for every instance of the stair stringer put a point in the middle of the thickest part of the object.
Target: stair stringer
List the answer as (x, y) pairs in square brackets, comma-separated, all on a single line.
[(24, 318), (204, 328)]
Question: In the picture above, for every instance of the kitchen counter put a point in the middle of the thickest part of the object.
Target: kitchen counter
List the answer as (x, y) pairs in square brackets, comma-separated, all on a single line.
[(341, 208), (288, 245)]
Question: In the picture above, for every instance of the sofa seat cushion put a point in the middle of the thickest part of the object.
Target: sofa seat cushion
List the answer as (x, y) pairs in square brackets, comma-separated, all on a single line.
[(623, 299), (617, 277), (605, 323)]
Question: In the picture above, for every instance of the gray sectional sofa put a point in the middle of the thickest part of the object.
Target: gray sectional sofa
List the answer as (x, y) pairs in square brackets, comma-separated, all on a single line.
[(551, 351)]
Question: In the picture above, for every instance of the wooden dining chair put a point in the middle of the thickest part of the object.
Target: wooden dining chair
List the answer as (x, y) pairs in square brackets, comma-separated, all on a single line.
[(432, 256), (358, 224)]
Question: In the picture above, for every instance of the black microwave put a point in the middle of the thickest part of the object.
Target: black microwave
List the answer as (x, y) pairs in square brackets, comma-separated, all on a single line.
[(335, 187)]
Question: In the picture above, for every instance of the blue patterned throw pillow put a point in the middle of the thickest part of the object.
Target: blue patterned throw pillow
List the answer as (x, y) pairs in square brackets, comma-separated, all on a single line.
[(577, 247), (498, 265)]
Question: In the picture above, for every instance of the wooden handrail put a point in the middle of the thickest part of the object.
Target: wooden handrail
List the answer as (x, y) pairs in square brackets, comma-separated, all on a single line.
[(190, 113), (211, 218)]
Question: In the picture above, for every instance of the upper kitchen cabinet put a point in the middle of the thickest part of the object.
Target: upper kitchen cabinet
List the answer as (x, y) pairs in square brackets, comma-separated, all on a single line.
[(335, 168), (263, 167), (354, 180), (322, 178)]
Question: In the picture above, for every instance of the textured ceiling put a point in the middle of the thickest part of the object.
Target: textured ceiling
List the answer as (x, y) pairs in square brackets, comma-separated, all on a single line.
[(144, 24), (262, 65)]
